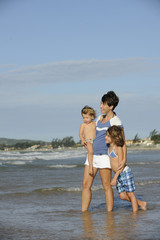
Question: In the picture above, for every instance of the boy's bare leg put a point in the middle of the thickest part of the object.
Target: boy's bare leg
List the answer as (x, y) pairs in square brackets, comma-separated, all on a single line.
[(105, 174), (141, 204), (90, 157), (86, 188)]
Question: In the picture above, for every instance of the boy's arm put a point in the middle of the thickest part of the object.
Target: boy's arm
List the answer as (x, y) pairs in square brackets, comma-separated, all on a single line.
[(81, 131)]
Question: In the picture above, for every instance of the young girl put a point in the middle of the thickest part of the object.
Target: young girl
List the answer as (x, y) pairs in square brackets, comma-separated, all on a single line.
[(87, 133), (123, 178)]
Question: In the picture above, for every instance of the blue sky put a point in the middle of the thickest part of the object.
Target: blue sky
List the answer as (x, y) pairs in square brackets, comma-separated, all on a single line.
[(59, 55)]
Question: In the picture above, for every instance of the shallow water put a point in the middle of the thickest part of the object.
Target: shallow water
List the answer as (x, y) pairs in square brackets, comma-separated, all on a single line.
[(40, 194)]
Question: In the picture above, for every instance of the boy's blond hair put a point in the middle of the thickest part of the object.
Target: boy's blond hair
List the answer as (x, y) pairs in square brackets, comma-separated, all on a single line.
[(89, 110)]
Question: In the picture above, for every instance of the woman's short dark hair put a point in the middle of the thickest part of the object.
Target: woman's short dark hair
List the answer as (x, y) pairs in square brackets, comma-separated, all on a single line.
[(111, 99)]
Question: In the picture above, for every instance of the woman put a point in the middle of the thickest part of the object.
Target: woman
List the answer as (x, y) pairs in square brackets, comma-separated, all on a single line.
[(101, 160)]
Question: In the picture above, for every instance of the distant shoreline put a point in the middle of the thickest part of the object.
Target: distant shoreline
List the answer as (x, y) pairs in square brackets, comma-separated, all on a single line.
[(153, 147), (130, 147)]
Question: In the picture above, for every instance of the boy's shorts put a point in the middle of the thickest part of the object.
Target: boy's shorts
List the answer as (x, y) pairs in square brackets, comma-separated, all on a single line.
[(125, 181)]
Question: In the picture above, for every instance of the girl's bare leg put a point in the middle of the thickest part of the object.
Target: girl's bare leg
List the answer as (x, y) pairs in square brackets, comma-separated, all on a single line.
[(105, 174), (133, 201), (86, 187), (141, 204)]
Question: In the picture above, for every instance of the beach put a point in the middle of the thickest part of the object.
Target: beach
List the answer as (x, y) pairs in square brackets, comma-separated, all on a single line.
[(40, 195)]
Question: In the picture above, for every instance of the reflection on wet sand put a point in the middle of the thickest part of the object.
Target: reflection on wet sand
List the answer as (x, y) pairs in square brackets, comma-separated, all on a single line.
[(88, 225), (120, 226), (110, 226)]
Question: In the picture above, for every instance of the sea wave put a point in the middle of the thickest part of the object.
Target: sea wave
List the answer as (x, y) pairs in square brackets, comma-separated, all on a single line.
[(32, 165), (50, 191), (58, 189), (17, 163), (79, 189), (63, 190), (41, 155)]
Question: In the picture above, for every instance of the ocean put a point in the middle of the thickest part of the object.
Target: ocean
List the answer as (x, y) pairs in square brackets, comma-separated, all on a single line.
[(40, 198)]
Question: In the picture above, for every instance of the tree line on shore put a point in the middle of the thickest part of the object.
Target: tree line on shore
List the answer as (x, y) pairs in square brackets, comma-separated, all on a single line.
[(59, 143), (13, 144), (21, 145), (154, 136)]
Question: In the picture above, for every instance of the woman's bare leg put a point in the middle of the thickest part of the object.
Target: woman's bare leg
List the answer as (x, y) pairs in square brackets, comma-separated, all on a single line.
[(105, 174), (86, 188)]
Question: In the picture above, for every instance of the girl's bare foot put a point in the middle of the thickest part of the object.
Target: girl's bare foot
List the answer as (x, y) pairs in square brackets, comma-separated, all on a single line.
[(143, 205)]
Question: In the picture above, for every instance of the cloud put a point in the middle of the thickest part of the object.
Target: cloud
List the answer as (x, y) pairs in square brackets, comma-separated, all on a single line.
[(40, 85), (72, 71)]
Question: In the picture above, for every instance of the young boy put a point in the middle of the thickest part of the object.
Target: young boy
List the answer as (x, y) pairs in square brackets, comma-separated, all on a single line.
[(87, 133), (123, 175)]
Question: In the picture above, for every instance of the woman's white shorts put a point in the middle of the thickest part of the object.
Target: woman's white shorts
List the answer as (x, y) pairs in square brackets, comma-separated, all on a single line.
[(100, 161)]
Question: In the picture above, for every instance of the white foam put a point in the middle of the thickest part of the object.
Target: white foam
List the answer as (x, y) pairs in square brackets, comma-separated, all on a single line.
[(148, 182), (17, 163), (66, 189), (62, 166), (143, 163)]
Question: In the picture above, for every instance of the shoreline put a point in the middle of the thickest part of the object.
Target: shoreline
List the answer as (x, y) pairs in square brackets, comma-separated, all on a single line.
[(130, 147), (153, 147)]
